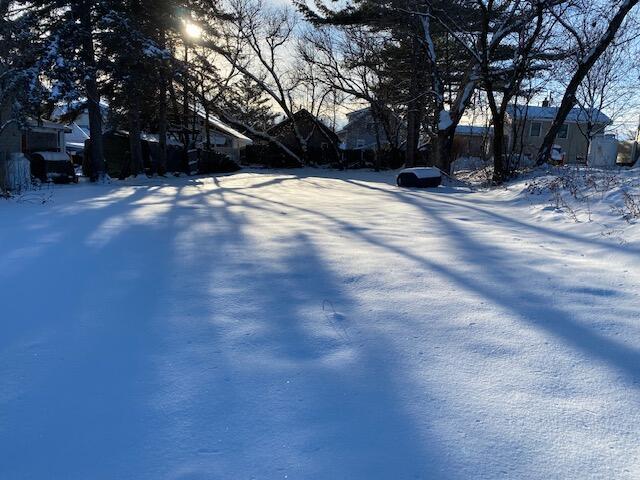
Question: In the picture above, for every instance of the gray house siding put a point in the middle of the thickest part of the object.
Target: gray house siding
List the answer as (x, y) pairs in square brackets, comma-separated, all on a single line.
[(361, 132), (575, 144), (532, 124)]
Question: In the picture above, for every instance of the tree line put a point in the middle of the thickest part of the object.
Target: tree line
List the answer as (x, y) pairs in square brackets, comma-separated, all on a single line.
[(420, 65)]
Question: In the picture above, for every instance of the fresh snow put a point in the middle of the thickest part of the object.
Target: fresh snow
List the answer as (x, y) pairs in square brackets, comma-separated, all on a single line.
[(445, 120), (314, 324), (423, 172)]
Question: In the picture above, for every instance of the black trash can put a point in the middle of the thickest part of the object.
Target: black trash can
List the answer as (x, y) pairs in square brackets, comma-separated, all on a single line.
[(419, 178)]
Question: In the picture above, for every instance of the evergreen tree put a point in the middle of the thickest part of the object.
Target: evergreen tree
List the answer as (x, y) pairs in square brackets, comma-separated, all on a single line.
[(407, 74), (246, 102)]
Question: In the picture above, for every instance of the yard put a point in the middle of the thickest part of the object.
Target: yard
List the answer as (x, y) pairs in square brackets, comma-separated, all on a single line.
[(314, 325)]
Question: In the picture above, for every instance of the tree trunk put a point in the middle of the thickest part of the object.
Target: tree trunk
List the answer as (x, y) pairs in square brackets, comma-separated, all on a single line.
[(135, 144), (162, 110), (569, 98), (413, 134), (500, 166), (161, 167), (185, 105), (207, 127), (443, 150), (88, 55)]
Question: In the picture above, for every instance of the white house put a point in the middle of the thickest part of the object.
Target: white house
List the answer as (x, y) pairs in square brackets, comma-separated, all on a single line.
[(222, 138)]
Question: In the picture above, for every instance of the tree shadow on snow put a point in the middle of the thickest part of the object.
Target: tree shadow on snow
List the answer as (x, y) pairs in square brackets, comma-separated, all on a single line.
[(161, 339)]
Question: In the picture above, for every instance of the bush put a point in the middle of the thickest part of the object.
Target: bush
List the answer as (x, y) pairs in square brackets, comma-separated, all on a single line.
[(214, 162)]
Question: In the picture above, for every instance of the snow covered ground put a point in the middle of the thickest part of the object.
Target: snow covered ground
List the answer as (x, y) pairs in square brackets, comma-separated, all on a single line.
[(314, 325)]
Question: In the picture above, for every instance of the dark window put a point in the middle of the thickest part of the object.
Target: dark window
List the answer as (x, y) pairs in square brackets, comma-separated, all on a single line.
[(564, 131), (536, 129)]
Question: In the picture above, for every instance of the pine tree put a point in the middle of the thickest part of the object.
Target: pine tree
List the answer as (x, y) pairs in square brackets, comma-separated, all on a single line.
[(63, 33), (407, 75), (23, 55), (246, 102)]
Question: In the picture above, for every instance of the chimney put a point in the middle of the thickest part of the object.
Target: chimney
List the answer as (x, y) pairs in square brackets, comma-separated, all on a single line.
[(546, 103)]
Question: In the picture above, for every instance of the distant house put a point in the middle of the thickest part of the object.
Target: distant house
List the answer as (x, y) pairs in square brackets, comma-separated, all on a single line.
[(526, 127), (472, 141), (76, 117), (30, 136), (222, 137), (322, 142), (362, 132)]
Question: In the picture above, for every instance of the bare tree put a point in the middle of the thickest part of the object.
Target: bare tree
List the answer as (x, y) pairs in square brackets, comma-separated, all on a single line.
[(607, 87), (602, 33), (348, 60), (266, 37), (513, 25)]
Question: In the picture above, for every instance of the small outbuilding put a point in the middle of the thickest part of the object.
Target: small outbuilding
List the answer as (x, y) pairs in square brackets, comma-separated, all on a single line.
[(322, 142)]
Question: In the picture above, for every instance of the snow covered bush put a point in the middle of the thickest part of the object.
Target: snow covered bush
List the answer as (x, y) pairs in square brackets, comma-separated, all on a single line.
[(631, 208), (580, 191)]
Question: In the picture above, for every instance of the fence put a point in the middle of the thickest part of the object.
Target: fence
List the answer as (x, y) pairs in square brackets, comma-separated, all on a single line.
[(15, 173)]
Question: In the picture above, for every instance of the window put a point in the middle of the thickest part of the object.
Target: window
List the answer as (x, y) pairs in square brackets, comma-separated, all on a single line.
[(359, 143), (535, 130), (564, 131)]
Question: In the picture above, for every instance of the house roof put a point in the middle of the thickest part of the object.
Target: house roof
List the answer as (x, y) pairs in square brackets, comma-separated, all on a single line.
[(359, 112), (34, 123), (474, 130), (576, 115), (221, 126), (302, 115), (155, 138), (69, 112)]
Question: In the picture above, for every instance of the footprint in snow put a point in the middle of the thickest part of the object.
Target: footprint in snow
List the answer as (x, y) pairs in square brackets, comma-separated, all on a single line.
[(337, 319), (208, 451)]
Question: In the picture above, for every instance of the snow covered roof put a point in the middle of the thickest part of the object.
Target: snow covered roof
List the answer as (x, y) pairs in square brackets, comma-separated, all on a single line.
[(356, 113), (576, 115), (155, 138), (79, 131), (34, 123), (75, 108), (424, 172), (473, 130), (227, 129), (223, 127)]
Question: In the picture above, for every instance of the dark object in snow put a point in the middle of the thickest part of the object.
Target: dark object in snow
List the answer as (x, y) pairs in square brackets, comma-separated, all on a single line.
[(215, 162), (270, 156), (427, 177), (371, 158), (54, 167), (118, 159)]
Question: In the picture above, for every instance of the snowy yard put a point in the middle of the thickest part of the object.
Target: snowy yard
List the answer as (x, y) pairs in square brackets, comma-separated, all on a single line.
[(314, 325)]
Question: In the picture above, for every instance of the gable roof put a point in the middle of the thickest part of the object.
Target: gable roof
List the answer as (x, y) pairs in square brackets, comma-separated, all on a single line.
[(43, 124), (576, 115), (360, 112), (221, 126), (69, 112), (305, 115)]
